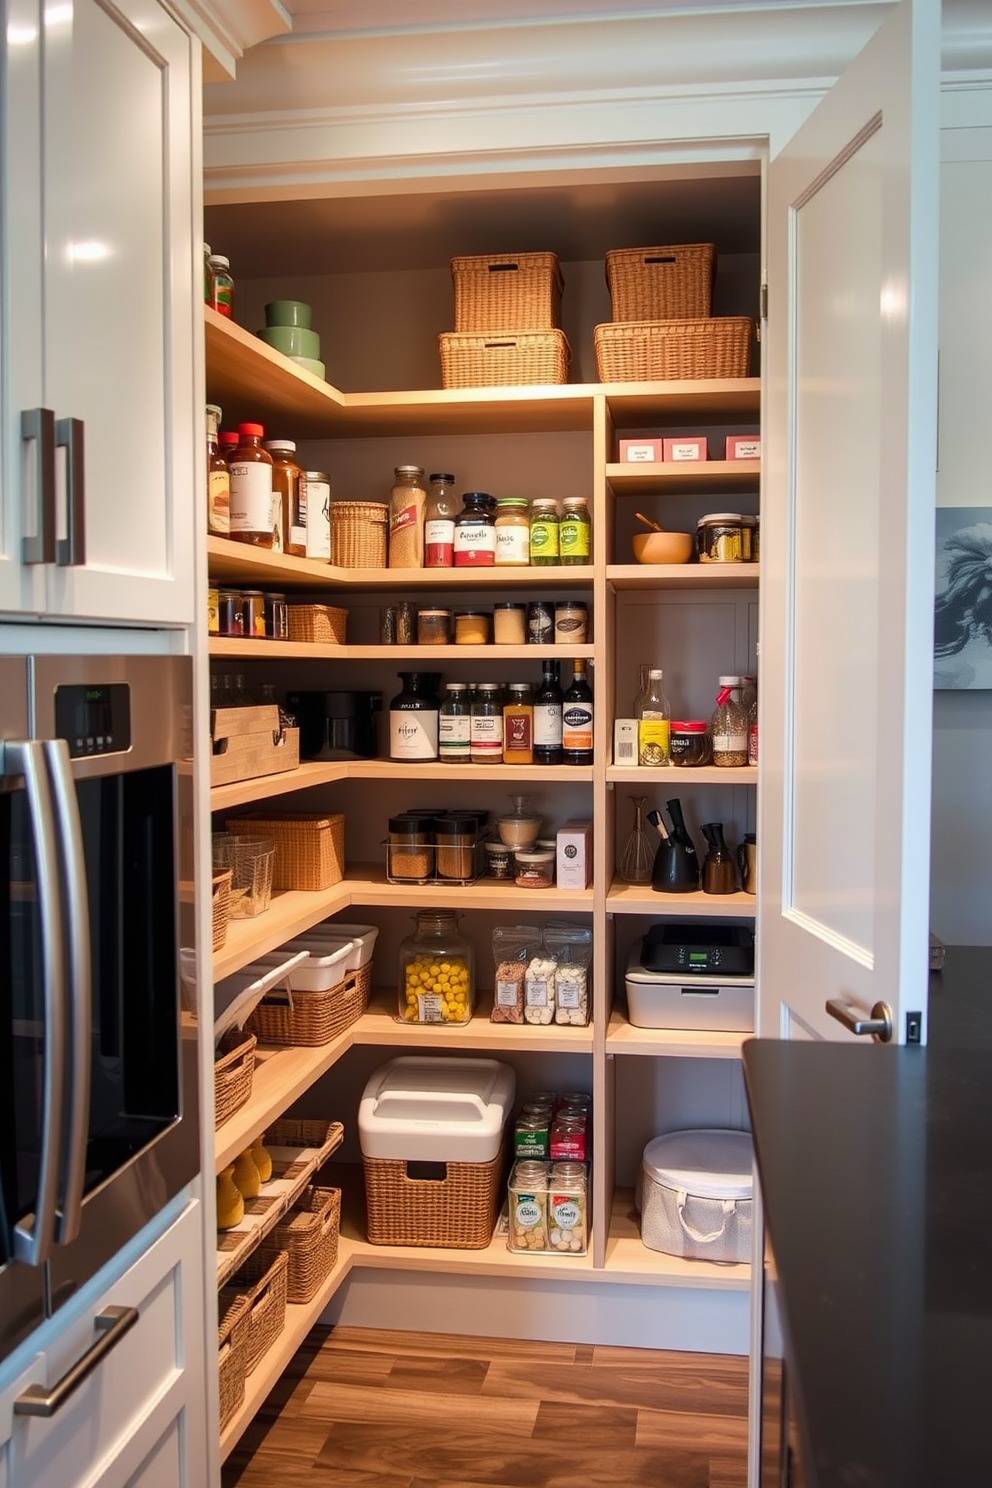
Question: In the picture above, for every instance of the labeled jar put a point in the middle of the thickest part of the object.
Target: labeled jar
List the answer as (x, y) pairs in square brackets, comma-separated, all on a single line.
[(218, 479), (527, 1193), (571, 622), (413, 720), (406, 623), (213, 612), (407, 511), (544, 532), (253, 613), (535, 868), (289, 500), (568, 1229), (439, 521), (518, 725), (250, 468), (475, 532), (729, 725), (719, 538), (510, 624), (532, 1133), (471, 628), (436, 982), (454, 725), (315, 502), (575, 532), (486, 732), (276, 617), (512, 532), (499, 861), (749, 539), (410, 849), (540, 623), (455, 838), (568, 1136), (230, 615), (689, 744), (433, 627), (221, 285)]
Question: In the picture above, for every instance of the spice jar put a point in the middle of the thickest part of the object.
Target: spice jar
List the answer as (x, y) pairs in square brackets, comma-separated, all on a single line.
[(544, 532), (454, 725), (289, 501), (439, 522), (719, 538), (455, 838), (499, 860), (568, 1230), (409, 849), (471, 628), (253, 612), (433, 627), (689, 744), (407, 510), (250, 467), (535, 869), (221, 285), (475, 532), (512, 532), (571, 622), (218, 479), (728, 726), (436, 983), (575, 533), (528, 1203), (315, 504), (510, 624)]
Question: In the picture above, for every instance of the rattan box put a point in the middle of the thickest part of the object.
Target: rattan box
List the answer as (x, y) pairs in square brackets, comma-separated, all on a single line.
[(323, 624), (309, 847), (308, 1019), (359, 534), (309, 1236), (234, 1072), (507, 292), (234, 1328), (665, 350), (455, 1208), (673, 282), (509, 359), (219, 903), (262, 1280)]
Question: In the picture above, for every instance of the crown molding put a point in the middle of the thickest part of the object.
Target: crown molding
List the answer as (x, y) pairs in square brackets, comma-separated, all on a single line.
[(230, 28)]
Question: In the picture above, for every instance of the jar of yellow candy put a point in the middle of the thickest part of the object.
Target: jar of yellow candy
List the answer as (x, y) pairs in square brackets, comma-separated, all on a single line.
[(436, 983)]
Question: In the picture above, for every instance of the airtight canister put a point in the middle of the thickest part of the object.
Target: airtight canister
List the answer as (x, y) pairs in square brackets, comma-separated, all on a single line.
[(315, 494)]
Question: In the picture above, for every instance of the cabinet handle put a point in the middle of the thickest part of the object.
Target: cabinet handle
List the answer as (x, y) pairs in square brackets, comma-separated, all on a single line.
[(38, 425), (878, 1025), (111, 1324), (71, 549)]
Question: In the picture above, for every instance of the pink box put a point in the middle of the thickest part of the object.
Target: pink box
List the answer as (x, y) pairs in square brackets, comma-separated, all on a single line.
[(743, 447), (690, 448), (640, 451)]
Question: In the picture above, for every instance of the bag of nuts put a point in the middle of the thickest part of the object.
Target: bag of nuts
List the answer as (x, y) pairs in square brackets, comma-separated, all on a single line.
[(513, 947), (570, 947)]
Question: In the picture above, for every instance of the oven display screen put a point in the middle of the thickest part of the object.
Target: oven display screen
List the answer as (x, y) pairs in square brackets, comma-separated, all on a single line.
[(94, 720)]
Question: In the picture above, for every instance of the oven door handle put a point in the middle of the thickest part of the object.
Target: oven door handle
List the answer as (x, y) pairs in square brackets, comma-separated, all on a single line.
[(80, 999), (34, 1235)]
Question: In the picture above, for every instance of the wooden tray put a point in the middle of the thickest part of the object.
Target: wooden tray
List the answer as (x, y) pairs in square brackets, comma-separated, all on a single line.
[(249, 742)]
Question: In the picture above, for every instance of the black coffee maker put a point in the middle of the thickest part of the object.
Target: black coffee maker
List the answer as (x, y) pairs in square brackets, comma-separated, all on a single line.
[(337, 725)]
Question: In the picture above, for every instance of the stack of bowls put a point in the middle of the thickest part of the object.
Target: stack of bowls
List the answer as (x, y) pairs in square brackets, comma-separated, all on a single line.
[(287, 329)]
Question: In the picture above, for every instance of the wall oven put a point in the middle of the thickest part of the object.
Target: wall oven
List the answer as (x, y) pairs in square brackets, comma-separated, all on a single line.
[(98, 1068)]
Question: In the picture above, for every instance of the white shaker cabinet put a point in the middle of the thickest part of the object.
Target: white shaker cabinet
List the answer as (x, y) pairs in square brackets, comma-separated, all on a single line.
[(100, 285)]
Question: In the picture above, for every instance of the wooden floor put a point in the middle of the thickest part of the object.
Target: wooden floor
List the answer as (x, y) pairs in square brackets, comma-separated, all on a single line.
[(365, 1409)]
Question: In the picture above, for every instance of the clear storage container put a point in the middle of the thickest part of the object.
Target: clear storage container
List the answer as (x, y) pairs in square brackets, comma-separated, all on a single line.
[(436, 980)]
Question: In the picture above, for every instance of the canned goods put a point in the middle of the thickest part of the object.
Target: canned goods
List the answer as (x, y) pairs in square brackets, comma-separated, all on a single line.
[(230, 617), (719, 538), (540, 623), (276, 617), (253, 611)]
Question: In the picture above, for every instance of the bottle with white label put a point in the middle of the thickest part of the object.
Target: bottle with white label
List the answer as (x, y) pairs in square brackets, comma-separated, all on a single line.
[(547, 717), (439, 522), (413, 720), (577, 719), (250, 466), (454, 725), (486, 738)]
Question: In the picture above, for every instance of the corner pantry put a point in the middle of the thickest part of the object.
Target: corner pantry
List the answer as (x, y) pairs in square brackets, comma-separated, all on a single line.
[(695, 621)]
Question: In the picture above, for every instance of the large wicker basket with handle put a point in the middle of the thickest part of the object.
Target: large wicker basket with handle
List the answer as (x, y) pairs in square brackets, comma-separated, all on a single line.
[(507, 292), (673, 282), (505, 359), (667, 350), (359, 534), (309, 847), (309, 1236)]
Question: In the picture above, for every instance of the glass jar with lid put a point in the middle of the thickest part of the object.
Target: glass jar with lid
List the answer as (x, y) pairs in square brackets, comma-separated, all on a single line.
[(512, 532), (291, 508), (486, 725), (544, 531), (528, 1196), (454, 725), (456, 835), (436, 983), (407, 508), (410, 849), (250, 467), (218, 479), (439, 521), (475, 532), (568, 1230), (689, 743), (575, 533), (729, 724)]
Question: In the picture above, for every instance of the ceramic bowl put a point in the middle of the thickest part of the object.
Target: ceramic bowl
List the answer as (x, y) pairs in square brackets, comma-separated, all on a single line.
[(288, 313), (291, 340), (662, 547), (310, 364)]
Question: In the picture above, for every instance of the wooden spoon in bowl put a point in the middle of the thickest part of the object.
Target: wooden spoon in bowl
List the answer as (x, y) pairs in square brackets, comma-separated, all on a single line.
[(648, 522)]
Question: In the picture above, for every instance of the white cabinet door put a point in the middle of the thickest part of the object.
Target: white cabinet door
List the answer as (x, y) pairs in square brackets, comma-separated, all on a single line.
[(114, 307), (847, 544)]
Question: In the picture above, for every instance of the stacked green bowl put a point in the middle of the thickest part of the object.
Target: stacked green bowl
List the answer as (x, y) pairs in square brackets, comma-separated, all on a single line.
[(287, 329)]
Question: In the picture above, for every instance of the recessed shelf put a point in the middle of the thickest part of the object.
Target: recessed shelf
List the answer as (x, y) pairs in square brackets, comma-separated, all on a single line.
[(676, 777), (683, 575), (696, 477), (317, 772), (243, 649), (624, 898), (677, 1043)]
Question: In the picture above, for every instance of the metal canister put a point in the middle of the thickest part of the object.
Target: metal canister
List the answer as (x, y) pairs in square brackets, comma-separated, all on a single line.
[(540, 623), (719, 538)]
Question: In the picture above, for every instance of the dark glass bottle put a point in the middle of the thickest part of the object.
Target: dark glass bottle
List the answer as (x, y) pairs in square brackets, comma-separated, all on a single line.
[(577, 719), (547, 717), (413, 718)]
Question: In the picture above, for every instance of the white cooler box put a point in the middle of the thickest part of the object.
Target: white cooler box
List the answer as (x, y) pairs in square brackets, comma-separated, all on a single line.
[(696, 1195), (670, 999), (431, 1134)]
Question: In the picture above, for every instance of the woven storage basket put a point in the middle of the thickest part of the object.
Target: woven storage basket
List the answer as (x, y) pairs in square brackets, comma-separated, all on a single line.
[(457, 1211), (359, 531), (309, 847), (317, 622), (309, 1236), (306, 1019), (659, 350), (234, 1328), (221, 899), (234, 1070), (668, 283), (262, 1281), (507, 292), (507, 360)]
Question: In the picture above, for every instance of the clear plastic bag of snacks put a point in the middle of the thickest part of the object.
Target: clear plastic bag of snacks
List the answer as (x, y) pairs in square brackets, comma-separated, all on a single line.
[(570, 947), (514, 946)]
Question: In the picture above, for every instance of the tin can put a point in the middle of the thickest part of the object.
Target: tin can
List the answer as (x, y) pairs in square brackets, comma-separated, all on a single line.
[(719, 538), (540, 623)]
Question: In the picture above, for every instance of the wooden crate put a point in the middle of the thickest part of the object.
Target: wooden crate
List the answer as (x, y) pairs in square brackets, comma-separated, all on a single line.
[(248, 742)]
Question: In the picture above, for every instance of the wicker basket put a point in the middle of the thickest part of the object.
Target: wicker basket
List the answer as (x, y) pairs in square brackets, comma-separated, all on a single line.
[(307, 1019), (317, 622), (456, 1211), (234, 1070), (262, 1281), (309, 847), (234, 1328), (359, 532), (668, 283), (309, 1236), (659, 350), (507, 292), (221, 899), (509, 360)]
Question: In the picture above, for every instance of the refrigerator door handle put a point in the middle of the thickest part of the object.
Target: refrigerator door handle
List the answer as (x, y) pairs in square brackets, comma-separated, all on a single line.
[(33, 1235), (80, 999)]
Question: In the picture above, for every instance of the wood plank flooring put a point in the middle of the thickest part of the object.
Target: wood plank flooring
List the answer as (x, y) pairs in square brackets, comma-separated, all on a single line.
[(360, 1408)]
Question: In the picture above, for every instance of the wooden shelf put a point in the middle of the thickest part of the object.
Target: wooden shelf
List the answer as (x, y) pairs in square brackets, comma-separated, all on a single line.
[(678, 1043), (263, 787), (244, 649), (629, 1260), (683, 575), (624, 898), (647, 405), (317, 772), (281, 1077), (676, 777), (700, 477)]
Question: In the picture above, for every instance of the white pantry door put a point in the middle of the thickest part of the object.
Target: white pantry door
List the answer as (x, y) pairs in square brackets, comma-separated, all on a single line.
[(847, 544)]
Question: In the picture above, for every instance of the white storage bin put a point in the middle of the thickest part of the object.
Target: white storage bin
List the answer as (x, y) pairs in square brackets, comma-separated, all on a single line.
[(696, 1195), (362, 938), (325, 966), (436, 1110)]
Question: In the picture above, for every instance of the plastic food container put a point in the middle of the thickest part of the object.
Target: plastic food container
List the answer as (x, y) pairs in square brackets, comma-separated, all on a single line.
[(689, 744), (535, 869), (361, 941), (325, 966), (696, 1195)]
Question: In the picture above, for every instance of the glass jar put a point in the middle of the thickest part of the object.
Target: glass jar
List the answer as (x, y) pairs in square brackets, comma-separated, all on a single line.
[(653, 715), (454, 725), (728, 726), (471, 628), (252, 508), (433, 627), (276, 617), (528, 1203), (540, 623), (518, 725), (749, 543), (436, 983), (569, 1133), (221, 285), (439, 522), (575, 533), (486, 731), (510, 624), (406, 623), (689, 744), (535, 868), (499, 861), (519, 827), (230, 614), (455, 837), (286, 494), (253, 612), (315, 501), (407, 510), (571, 622), (719, 538), (532, 1133), (410, 849), (544, 532), (512, 532), (218, 479), (213, 612), (568, 1230), (413, 720), (475, 532)]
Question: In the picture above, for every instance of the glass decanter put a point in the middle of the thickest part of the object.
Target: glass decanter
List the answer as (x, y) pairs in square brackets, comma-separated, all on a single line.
[(638, 855)]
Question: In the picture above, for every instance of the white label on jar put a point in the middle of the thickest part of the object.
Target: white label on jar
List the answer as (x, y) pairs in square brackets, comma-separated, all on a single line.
[(430, 1008), (567, 994), (527, 1212), (412, 736), (729, 743), (317, 495), (439, 538), (251, 497), (298, 537), (475, 545), (513, 544), (487, 734), (507, 994), (547, 724), (537, 993), (566, 1213), (454, 730)]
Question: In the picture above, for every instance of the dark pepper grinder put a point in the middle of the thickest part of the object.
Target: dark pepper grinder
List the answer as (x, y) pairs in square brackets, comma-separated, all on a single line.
[(719, 868)]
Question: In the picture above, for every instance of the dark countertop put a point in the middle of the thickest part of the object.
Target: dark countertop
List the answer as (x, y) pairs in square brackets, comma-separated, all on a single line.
[(876, 1174)]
